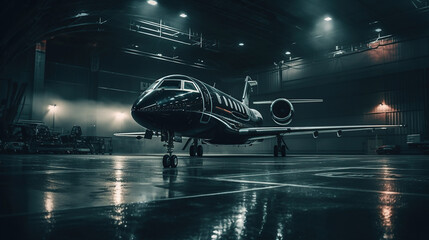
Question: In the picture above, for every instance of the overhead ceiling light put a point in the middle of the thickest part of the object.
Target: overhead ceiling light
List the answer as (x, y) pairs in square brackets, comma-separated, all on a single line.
[(287, 53), (159, 54), (183, 15), (327, 19), (241, 44), (378, 30), (152, 2)]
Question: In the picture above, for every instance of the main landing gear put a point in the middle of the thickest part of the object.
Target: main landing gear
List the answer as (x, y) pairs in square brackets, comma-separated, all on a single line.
[(195, 149), (280, 147), (169, 160)]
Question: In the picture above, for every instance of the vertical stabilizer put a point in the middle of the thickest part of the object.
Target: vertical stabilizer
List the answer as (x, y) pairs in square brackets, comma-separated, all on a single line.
[(248, 84)]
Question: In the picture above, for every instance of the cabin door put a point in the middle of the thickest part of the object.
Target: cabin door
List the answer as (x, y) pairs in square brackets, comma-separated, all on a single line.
[(207, 104)]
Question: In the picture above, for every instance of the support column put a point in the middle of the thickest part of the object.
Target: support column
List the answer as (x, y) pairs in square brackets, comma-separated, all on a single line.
[(93, 92), (426, 104), (280, 74), (37, 109)]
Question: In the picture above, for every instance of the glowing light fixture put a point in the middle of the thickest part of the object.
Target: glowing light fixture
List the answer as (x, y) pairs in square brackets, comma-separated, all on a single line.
[(159, 54), (378, 30), (183, 15), (327, 19), (152, 2), (52, 107), (287, 53), (241, 44), (383, 107)]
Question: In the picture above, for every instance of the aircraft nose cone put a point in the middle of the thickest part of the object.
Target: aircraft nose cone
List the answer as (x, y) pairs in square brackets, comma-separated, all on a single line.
[(143, 110), (145, 102)]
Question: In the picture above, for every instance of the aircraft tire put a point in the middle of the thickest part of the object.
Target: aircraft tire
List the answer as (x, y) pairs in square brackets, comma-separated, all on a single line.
[(200, 151), (166, 161), (276, 151), (192, 151), (283, 150), (174, 161)]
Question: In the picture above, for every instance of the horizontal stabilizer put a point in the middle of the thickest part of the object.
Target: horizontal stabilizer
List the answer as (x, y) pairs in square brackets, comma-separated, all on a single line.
[(293, 101)]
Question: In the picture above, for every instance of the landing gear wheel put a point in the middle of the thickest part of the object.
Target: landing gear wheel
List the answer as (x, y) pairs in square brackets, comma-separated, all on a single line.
[(276, 151), (174, 161), (166, 161), (200, 151), (192, 151), (283, 150)]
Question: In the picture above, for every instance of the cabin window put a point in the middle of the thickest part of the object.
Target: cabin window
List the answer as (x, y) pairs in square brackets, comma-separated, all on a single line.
[(171, 84), (230, 103), (189, 86), (235, 105), (240, 107), (226, 102), (218, 98)]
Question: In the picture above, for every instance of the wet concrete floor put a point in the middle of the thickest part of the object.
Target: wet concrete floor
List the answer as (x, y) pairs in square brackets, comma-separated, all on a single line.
[(214, 197)]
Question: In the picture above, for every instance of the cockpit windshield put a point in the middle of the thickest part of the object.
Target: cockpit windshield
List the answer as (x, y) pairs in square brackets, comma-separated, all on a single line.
[(175, 84), (171, 84)]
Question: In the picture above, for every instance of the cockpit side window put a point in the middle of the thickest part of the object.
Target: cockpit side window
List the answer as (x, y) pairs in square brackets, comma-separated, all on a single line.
[(189, 86), (171, 84)]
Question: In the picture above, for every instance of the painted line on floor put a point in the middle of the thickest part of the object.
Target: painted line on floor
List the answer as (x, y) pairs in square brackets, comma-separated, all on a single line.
[(289, 172), (151, 201), (215, 194), (371, 176), (323, 187)]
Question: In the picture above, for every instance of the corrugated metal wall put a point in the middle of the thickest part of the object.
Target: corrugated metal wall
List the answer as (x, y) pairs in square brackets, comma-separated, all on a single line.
[(384, 85)]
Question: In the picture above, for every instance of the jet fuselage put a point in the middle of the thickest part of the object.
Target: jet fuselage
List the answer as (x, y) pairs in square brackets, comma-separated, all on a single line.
[(191, 108)]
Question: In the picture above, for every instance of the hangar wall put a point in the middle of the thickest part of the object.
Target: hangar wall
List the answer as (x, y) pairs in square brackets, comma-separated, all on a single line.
[(387, 84), (90, 90), (353, 85), (96, 91)]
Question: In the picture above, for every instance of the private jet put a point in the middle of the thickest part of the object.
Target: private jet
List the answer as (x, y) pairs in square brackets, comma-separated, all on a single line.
[(179, 106)]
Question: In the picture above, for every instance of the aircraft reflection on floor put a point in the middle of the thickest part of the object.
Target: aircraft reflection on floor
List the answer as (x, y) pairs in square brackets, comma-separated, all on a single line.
[(387, 203)]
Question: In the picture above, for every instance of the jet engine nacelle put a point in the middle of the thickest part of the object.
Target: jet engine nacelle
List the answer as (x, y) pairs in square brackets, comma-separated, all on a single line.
[(282, 111)]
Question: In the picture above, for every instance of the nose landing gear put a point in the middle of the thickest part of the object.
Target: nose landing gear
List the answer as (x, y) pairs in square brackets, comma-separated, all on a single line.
[(170, 160)]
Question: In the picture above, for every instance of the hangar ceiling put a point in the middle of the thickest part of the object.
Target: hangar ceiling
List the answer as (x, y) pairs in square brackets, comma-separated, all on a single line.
[(210, 35)]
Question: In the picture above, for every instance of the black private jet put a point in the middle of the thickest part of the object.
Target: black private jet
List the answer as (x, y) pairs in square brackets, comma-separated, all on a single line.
[(179, 106)]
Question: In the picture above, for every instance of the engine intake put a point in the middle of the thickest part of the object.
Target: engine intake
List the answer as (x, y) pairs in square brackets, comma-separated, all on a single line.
[(282, 111)]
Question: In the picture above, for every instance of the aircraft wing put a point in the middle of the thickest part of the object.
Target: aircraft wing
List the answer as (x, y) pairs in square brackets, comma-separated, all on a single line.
[(141, 135), (259, 132), (138, 135)]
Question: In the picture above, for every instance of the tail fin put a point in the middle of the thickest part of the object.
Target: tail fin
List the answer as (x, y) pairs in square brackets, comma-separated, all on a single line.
[(248, 84)]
